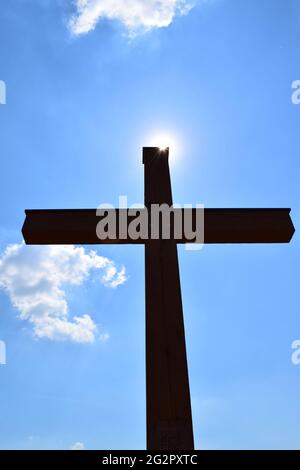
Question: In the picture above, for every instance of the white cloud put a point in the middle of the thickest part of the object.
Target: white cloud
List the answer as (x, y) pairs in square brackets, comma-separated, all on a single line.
[(78, 446), (113, 277), (134, 14), (35, 278)]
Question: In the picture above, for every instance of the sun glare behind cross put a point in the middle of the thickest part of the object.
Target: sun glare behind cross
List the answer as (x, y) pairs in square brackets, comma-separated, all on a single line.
[(164, 142)]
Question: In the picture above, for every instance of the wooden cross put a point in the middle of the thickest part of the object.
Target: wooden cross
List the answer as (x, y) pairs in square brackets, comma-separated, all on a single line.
[(169, 417)]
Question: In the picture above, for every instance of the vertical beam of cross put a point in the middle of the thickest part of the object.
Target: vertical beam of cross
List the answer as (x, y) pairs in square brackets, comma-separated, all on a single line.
[(169, 416)]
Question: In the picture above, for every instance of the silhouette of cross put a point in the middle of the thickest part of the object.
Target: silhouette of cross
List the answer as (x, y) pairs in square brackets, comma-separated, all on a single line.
[(169, 417)]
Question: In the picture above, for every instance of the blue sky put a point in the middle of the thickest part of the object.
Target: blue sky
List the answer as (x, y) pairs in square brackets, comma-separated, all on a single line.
[(80, 106)]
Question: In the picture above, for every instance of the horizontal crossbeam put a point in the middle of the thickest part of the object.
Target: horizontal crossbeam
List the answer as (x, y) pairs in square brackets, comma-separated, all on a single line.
[(78, 226)]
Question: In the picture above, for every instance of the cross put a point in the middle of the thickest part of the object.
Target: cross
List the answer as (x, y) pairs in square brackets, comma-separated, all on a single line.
[(169, 416)]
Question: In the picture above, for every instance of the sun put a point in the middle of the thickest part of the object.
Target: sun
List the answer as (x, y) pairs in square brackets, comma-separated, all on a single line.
[(163, 142)]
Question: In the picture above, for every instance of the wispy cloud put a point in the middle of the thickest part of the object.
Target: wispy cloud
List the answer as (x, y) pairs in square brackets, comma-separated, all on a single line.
[(78, 446), (136, 15), (35, 278)]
